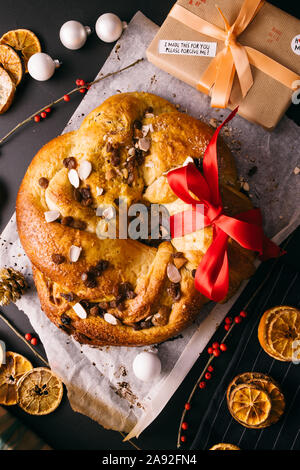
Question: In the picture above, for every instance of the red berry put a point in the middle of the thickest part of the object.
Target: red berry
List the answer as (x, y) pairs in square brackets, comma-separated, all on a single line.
[(43, 114), (210, 350), (216, 352), (183, 438), (184, 425), (237, 319), (82, 90), (215, 345), (48, 110), (37, 118), (243, 314), (187, 406), (34, 341), (66, 97), (227, 327), (28, 336), (223, 347), (78, 81), (228, 320), (207, 376), (81, 82), (210, 368), (202, 384)]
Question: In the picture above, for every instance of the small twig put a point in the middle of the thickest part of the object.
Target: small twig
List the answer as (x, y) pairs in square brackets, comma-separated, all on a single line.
[(210, 360), (74, 90), (44, 360), (23, 339)]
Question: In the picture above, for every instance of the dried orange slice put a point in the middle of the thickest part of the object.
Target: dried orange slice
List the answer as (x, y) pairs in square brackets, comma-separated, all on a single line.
[(224, 446), (250, 405), (279, 332), (40, 391), (7, 91), (276, 396), (10, 373), (11, 62), (263, 382), (24, 41)]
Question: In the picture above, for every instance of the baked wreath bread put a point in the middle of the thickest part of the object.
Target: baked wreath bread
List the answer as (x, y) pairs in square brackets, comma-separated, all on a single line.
[(121, 286)]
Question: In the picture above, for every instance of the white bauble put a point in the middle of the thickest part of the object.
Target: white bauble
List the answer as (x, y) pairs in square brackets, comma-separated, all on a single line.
[(73, 34), (146, 366), (109, 27), (41, 66)]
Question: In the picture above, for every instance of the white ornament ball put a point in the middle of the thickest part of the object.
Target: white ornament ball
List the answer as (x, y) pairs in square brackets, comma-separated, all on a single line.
[(73, 34), (41, 66), (109, 27), (146, 366)]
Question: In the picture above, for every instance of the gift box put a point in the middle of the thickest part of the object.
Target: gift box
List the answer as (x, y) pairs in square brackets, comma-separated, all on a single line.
[(241, 52)]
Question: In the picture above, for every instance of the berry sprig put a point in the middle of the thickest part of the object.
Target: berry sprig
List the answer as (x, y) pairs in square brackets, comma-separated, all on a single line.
[(81, 87), (214, 351), (33, 340)]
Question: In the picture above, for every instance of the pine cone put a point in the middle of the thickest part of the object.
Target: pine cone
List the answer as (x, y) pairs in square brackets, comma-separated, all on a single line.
[(12, 285)]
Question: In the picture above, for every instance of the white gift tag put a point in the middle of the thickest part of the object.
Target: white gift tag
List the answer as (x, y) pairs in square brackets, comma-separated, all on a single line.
[(195, 48)]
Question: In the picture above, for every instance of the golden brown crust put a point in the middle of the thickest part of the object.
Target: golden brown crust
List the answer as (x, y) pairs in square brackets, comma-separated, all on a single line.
[(174, 137)]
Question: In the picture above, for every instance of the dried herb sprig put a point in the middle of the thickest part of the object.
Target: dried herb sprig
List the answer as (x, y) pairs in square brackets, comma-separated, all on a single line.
[(74, 90)]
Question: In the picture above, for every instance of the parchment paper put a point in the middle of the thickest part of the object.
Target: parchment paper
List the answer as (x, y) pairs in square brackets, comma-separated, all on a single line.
[(100, 382)]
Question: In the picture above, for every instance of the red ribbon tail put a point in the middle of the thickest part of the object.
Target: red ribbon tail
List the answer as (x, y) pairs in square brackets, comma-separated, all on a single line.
[(212, 275), (270, 249)]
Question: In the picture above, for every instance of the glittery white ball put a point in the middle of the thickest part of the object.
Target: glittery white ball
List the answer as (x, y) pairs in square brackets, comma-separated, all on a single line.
[(73, 34), (41, 66), (146, 366), (109, 27)]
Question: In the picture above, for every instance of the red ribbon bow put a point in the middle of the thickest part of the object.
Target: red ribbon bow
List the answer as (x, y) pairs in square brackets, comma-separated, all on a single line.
[(212, 275)]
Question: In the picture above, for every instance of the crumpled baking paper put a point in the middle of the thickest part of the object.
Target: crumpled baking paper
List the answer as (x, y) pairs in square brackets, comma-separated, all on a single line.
[(100, 382)]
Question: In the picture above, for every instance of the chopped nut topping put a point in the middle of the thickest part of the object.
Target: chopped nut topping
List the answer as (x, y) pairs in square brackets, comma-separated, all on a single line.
[(99, 191), (85, 169), (67, 221), (131, 152), (110, 174), (77, 195), (80, 311), (161, 318), (109, 147), (95, 310), (74, 254), (137, 124), (144, 144), (43, 182), (70, 297), (115, 157), (51, 216), (58, 259), (70, 163), (65, 319), (111, 319), (145, 324), (173, 273), (174, 291), (79, 224), (179, 262), (74, 178)]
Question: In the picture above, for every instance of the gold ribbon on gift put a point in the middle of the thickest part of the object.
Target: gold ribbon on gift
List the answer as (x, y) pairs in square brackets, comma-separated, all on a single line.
[(234, 58)]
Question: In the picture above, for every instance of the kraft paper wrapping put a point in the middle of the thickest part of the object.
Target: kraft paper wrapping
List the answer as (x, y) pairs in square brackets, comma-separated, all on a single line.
[(100, 382), (271, 32)]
